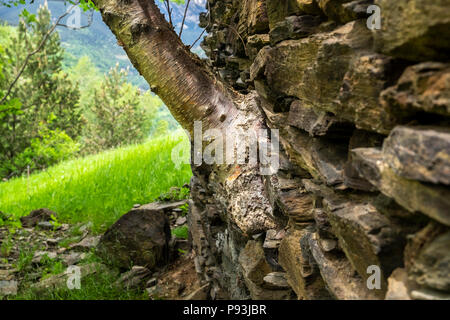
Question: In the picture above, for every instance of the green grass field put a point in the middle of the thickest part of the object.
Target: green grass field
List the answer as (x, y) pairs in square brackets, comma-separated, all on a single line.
[(99, 188)]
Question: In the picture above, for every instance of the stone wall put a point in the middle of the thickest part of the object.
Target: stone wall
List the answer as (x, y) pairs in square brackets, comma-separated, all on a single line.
[(364, 126)]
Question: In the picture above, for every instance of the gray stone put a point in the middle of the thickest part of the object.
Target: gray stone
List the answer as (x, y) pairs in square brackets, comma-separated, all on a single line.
[(86, 244), (45, 225), (431, 267), (276, 280), (39, 255), (419, 153), (180, 221), (8, 287)]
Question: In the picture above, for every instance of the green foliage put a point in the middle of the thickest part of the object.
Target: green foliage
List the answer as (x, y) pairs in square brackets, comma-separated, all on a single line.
[(49, 148), (120, 114), (6, 247), (99, 188), (43, 105), (181, 232)]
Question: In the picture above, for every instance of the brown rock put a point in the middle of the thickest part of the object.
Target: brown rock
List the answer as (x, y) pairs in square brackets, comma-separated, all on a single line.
[(139, 237), (36, 216), (431, 200), (398, 288), (422, 87), (302, 273), (428, 38), (367, 238), (339, 275), (431, 267)]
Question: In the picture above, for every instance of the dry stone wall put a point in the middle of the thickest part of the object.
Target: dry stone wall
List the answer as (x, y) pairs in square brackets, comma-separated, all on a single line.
[(365, 165)]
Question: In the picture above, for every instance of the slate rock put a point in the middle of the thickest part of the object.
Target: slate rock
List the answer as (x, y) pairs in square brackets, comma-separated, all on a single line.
[(140, 237)]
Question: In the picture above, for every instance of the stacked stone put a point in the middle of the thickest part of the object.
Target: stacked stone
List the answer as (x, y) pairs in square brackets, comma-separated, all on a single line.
[(364, 125)]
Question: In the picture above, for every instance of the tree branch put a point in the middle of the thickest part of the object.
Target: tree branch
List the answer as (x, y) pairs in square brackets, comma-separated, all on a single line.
[(169, 12), (187, 87), (209, 23), (184, 18)]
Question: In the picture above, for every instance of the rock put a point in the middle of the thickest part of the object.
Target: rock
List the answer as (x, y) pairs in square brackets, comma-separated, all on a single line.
[(151, 283), (273, 239), (199, 294), (86, 244), (315, 122), (328, 245), (431, 200), (422, 87), (8, 287), (255, 43), (302, 273), (294, 27), (180, 221), (255, 268), (303, 68), (7, 275), (431, 266), (307, 6), (296, 205), (367, 238), (39, 255), (134, 279), (59, 281), (253, 17), (45, 225), (323, 224), (73, 258), (366, 77), (36, 216), (427, 294), (139, 237), (253, 263), (276, 280), (324, 159), (425, 39), (344, 11), (339, 275), (419, 153), (398, 286), (277, 10)]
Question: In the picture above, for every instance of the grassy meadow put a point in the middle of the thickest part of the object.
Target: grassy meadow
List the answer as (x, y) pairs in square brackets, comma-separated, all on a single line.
[(99, 188)]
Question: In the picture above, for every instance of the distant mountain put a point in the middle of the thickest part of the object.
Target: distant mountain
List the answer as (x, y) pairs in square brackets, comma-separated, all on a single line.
[(98, 42)]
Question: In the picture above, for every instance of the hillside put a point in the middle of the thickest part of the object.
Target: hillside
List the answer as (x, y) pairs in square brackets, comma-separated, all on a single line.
[(99, 43)]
